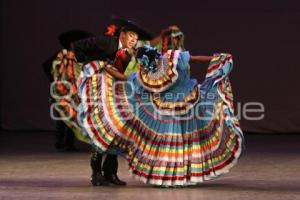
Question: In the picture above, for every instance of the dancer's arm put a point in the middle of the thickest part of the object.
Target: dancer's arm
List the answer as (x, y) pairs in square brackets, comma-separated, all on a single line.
[(197, 59), (115, 73)]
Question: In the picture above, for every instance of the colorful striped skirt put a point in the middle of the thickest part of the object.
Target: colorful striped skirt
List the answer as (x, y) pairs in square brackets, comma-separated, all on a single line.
[(166, 143)]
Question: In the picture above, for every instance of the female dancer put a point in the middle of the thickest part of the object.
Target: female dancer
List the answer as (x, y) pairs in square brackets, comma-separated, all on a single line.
[(176, 132)]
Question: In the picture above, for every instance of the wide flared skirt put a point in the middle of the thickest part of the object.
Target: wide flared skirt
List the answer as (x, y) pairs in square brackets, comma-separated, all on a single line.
[(183, 148)]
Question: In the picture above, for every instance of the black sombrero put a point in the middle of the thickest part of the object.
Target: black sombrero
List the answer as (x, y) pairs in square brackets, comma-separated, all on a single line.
[(131, 25)]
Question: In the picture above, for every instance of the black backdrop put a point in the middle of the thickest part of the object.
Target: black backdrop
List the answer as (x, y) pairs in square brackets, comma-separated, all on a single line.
[(263, 37)]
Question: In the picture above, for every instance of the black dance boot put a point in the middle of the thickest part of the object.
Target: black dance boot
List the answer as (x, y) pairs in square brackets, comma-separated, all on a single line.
[(110, 168), (97, 178), (114, 179)]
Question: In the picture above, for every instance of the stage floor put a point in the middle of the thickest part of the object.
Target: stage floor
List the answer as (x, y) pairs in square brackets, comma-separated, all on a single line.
[(30, 168)]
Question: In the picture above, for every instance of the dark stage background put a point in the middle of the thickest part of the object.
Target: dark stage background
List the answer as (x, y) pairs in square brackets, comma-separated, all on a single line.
[(263, 36)]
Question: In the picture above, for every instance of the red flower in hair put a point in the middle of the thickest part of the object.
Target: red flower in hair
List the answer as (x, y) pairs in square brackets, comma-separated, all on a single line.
[(111, 29)]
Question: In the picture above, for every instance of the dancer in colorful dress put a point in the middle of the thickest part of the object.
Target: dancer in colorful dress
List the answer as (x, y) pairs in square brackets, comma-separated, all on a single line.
[(175, 131), (68, 66)]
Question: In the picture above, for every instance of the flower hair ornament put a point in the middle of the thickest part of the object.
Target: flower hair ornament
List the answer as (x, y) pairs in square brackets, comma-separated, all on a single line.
[(111, 30)]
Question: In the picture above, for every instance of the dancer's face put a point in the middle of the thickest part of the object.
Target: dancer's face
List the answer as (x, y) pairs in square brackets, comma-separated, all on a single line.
[(175, 41), (129, 39)]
